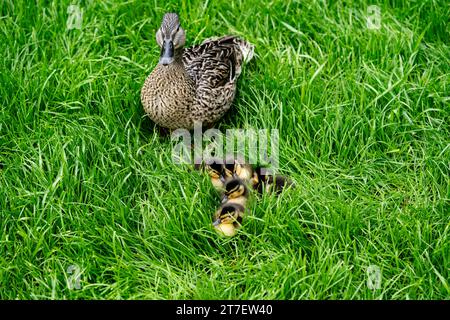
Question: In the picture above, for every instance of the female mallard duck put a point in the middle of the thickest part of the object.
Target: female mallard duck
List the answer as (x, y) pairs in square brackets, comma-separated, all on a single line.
[(195, 84)]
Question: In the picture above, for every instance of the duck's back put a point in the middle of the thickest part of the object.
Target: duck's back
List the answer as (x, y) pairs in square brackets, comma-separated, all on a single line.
[(215, 66)]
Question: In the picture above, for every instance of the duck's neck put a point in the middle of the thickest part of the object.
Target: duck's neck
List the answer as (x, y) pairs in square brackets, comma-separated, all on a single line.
[(176, 70), (178, 57), (174, 85)]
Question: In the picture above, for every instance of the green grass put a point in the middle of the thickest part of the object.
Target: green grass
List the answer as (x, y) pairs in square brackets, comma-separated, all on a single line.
[(364, 122)]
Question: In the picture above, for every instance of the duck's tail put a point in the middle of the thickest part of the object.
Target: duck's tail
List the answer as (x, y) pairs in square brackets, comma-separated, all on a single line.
[(247, 49)]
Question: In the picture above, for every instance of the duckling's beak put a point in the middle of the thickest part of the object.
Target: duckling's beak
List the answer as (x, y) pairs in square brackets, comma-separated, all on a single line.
[(222, 178), (217, 222), (224, 199), (167, 53)]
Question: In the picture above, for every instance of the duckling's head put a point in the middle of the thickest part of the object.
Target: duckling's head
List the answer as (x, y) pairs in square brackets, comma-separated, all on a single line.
[(237, 168), (234, 188), (243, 171), (214, 170), (170, 37), (229, 169), (228, 219)]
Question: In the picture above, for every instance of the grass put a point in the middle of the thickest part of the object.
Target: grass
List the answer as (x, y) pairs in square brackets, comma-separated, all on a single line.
[(364, 122)]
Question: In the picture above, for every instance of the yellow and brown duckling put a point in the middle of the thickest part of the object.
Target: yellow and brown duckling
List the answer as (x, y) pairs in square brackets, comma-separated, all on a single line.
[(235, 191), (228, 219), (215, 172), (240, 169), (271, 183)]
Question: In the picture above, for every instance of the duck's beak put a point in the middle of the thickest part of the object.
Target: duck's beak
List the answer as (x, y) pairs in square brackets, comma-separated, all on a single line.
[(224, 199), (217, 222), (167, 53)]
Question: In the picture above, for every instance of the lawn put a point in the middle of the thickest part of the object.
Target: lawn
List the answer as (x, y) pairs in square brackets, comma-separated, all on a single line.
[(92, 206)]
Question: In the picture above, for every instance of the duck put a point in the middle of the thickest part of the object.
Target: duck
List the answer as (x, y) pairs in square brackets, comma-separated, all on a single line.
[(237, 168), (215, 170), (228, 219), (267, 183), (196, 84), (236, 192), (220, 171)]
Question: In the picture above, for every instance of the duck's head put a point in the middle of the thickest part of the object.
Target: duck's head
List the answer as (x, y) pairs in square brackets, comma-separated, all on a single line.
[(215, 170), (234, 188), (242, 171), (231, 167), (228, 219), (170, 37), (229, 170), (236, 168)]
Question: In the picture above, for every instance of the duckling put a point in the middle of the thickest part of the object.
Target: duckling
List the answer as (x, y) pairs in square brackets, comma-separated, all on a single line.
[(238, 169), (271, 183), (228, 169), (235, 191), (245, 172), (196, 84), (215, 171), (228, 219)]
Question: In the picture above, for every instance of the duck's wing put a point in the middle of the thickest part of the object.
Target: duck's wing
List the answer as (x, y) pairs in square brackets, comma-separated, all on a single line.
[(217, 62)]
